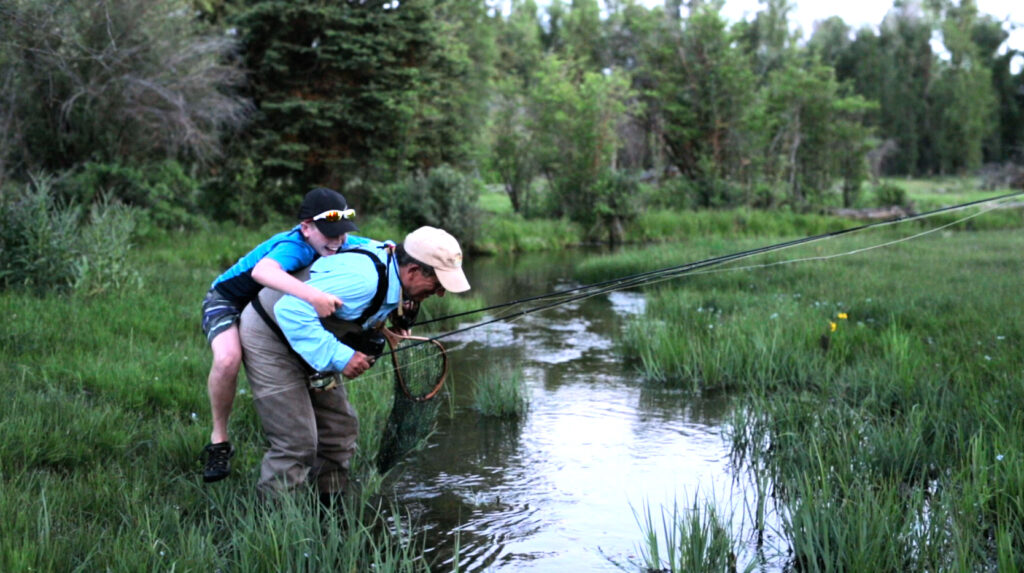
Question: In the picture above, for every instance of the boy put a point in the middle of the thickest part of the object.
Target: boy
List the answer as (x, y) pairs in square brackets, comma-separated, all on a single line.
[(323, 230)]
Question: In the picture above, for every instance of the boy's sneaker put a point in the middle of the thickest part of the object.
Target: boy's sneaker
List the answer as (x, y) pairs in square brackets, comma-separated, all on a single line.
[(218, 461)]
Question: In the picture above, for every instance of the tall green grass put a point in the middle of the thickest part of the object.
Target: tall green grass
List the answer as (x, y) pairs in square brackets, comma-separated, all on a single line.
[(501, 393), (688, 539), (514, 234), (892, 437), (669, 226)]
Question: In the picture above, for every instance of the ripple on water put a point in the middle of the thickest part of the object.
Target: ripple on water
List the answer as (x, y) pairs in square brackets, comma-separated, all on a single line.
[(559, 490)]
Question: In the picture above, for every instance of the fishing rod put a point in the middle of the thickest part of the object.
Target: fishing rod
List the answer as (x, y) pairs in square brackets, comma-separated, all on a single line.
[(648, 277), (678, 270)]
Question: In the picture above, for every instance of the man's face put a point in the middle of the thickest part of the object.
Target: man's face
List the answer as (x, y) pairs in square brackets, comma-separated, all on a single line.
[(419, 285), (322, 244)]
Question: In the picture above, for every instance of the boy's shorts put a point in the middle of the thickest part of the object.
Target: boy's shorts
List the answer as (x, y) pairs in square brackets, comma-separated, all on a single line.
[(219, 314)]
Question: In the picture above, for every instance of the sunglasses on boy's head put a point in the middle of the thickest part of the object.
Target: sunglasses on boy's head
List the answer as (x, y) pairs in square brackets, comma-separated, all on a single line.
[(335, 215)]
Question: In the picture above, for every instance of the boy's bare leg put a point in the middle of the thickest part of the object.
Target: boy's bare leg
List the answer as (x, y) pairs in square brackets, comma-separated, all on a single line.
[(221, 386)]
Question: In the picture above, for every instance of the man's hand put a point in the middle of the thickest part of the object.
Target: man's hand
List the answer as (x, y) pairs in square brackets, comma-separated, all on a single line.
[(325, 304), (358, 364)]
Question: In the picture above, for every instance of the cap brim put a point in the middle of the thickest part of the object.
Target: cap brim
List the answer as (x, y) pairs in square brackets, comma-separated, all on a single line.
[(337, 228), (452, 281)]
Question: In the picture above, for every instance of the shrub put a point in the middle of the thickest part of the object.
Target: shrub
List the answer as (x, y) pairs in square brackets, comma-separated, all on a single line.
[(37, 238), (104, 244), (444, 198), (168, 195), (46, 243), (890, 194)]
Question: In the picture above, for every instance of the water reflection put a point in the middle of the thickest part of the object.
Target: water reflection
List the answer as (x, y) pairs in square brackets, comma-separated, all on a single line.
[(557, 491)]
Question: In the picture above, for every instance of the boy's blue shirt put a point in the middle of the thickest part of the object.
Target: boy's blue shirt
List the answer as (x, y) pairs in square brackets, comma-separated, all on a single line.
[(352, 277), (289, 249)]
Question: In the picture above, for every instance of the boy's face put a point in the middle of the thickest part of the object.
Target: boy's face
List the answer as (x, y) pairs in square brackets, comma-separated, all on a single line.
[(322, 244)]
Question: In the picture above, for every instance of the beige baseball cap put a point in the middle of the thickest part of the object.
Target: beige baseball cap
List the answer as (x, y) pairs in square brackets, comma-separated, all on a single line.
[(440, 250)]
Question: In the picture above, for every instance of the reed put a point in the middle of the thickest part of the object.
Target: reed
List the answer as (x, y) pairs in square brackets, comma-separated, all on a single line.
[(695, 538), (501, 393)]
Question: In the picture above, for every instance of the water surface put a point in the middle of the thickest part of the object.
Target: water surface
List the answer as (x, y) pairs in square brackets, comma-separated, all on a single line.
[(559, 490)]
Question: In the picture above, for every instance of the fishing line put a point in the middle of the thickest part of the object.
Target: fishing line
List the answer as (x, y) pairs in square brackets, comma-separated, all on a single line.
[(672, 272), (845, 253), (660, 275)]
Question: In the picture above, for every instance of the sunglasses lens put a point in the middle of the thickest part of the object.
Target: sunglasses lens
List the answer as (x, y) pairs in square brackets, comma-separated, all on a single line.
[(333, 216)]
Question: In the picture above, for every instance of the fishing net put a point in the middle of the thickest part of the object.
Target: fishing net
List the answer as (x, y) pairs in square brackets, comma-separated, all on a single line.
[(419, 367)]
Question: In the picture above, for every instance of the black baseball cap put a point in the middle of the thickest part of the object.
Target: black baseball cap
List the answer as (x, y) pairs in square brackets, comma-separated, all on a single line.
[(329, 210)]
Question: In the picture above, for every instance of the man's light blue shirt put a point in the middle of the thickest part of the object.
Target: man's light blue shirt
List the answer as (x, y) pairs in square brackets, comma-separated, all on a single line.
[(352, 277)]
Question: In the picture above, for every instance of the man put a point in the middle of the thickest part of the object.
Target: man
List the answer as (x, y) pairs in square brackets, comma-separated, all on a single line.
[(312, 433)]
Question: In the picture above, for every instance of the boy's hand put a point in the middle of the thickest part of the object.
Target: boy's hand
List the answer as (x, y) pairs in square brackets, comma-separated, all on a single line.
[(325, 304)]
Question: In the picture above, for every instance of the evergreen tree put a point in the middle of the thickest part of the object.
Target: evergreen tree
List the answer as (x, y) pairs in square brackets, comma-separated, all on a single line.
[(355, 90), (895, 68), (633, 34)]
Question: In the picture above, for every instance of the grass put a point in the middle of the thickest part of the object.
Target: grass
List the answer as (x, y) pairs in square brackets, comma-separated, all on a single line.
[(892, 435), (901, 424), (501, 393), (694, 539)]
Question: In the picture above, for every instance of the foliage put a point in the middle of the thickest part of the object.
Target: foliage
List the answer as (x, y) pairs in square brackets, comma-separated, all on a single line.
[(702, 94), (104, 244), (576, 116), (162, 191), (443, 198), (48, 244), (261, 100), (115, 80), (38, 238), (888, 193), (663, 225), (517, 235), (513, 156), (693, 538), (964, 96), (363, 90)]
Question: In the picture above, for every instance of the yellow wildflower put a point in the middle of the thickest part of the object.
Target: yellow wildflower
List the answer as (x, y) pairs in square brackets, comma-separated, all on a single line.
[(831, 326), (843, 315)]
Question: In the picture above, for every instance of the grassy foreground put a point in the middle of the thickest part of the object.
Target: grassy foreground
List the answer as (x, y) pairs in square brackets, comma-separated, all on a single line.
[(104, 417), (877, 393), (911, 401)]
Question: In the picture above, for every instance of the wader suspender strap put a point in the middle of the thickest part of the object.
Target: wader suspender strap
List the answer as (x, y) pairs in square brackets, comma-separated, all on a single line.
[(331, 324), (382, 284), (272, 325)]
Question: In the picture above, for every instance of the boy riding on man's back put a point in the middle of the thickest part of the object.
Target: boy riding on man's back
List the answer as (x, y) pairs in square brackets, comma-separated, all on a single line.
[(323, 230)]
